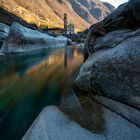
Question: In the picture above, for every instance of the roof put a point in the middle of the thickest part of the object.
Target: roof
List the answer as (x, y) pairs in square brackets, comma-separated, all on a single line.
[(49, 29)]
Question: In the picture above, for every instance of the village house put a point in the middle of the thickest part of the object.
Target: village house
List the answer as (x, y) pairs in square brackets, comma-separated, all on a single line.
[(55, 31), (68, 29)]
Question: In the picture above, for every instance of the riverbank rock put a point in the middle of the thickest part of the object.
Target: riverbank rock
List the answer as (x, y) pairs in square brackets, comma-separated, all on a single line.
[(114, 72), (123, 16), (123, 110), (53, 124), (22, 39), (112, 48), (4, 30), (126, 16)]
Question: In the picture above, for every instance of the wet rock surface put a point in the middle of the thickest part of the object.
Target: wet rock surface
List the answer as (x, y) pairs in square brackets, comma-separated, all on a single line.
[(59, 124)]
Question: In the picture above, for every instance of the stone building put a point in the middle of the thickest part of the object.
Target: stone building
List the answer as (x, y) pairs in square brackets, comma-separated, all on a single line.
[(65, 23), (68, 28), (55, 31)]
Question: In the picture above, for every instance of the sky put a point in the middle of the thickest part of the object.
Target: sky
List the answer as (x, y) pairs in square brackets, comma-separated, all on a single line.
[(116, 3)]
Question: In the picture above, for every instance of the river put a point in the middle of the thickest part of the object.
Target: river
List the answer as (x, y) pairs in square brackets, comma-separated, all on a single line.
[(30, 82)]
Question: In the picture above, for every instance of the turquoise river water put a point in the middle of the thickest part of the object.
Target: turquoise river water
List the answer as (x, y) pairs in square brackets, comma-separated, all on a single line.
[(30, 82)]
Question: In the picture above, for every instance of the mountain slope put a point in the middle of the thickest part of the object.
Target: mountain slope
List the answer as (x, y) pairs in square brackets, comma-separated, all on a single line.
[(109, 6), (50, 12), (96, 9), (82, 11), (62, 6), (8, 18)]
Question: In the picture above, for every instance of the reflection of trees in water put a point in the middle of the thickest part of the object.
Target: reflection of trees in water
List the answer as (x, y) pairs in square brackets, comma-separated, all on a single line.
[(20, 63)]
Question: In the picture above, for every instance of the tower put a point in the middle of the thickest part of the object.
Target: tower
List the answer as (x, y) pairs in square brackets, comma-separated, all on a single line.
[(65, 23)]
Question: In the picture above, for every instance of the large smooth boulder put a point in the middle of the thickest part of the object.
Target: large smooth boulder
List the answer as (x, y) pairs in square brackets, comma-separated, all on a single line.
[(4, 30), (122, 109), (114, 71), (112, 67), (114, 38), (53, 124), (22, 39), (126, 16)]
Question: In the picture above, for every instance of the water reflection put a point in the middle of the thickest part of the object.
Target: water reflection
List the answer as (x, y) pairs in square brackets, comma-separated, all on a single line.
[(68, 54), (30, 82)]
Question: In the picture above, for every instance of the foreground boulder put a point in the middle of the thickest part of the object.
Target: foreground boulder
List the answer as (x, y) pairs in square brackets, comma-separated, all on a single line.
[(114, 72), (123, 16), (112, 49), (52, 124), (22, 39), (126, 16), (4, 29)]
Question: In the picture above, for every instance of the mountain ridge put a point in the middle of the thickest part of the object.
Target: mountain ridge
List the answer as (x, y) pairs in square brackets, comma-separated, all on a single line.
[(50, 12)]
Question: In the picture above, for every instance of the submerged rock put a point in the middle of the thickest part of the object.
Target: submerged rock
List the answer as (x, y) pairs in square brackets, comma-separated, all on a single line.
[(22, 39), (4, 30), (114, 38), (124, 110), (126, 15)]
